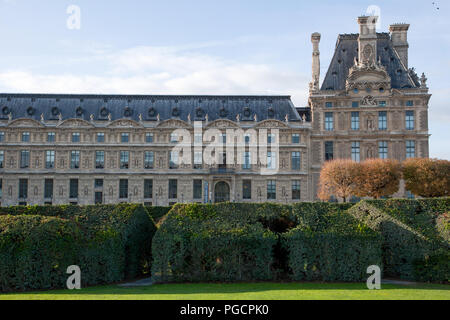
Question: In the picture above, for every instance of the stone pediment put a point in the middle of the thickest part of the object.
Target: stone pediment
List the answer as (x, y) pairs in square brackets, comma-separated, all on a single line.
[(25, 123), (272, 124), (223, 123), (75, 123), (363, 77), (174, 123), (124, 123)]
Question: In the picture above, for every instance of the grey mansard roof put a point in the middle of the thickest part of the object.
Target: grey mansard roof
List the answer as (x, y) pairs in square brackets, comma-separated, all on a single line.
[(347, 50), (131, 106)]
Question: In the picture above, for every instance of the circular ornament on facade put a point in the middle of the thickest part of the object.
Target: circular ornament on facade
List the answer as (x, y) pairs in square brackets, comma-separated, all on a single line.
[(199, 112), (103, 112), (152, 112), (30, 111), (247, 112), (79, 111), (55, 111), (223, 113), (175, 112), (127, 112), (5, 111)]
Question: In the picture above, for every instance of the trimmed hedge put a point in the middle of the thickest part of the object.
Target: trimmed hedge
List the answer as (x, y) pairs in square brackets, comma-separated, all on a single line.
[(158, 213), (110, 243), (415, 236)]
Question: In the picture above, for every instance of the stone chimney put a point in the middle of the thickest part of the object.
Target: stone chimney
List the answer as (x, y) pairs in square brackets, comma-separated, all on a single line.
[(367, 41), (399, 37), (315, 39)]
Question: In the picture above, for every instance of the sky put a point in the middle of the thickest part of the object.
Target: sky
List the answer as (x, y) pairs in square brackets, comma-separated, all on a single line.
[(207, 47)]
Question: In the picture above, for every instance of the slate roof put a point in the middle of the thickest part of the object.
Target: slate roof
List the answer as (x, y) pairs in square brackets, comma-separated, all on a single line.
[(130, 106), (344, 56)]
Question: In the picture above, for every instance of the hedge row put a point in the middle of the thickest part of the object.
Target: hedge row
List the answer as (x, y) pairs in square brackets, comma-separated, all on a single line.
[(415, 236), (110, 243), (236, 242)]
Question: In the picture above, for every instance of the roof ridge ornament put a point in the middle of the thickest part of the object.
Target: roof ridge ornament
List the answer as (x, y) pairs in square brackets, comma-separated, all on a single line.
[(423, 81)]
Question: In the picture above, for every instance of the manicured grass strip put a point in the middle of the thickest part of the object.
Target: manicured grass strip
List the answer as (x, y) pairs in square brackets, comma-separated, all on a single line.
[(246, 291)]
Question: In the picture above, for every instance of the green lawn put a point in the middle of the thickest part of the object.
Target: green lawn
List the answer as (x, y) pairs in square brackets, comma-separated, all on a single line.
[(244, 291)]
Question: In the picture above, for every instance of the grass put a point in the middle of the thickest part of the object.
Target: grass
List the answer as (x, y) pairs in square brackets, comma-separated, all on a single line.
[(245, 291)]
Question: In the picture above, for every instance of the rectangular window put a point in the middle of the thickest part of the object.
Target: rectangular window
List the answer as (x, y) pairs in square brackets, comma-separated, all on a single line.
[(149, 137), (295, 159), (148, 188), (223, 138), (329, 104), (355, 120), (382, 120), (329, 121), (51, 137), (198, 185), (99, 159), (1, 188), (98, 197), (198, 138), (98, 183), (123, 189), (149, 160), (24, 159), (75, 160), (382, 103), (355, 104), (173, 137), (410, 149), (295, 138), (409, 120), (173, 160), (198, 160), (49, 159), (409, 103), (25, 137), (329, 150), (271, 160), (124, 159), (270, 138), (76, 137), (247, 138), (2, 159), (100, 137), (73, 192), (23, 188), (125, 137), (173, 189), (296, 190), (247, 160), (48, 188), (2, 136), (247, 189), (271, 190), (383, 149), (355, 151)]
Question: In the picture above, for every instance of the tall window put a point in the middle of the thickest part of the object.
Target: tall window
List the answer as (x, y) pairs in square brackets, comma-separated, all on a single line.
[(24, 159), (125, 137), (198, 160), (329, 121), (2, 158), (355, 151), (355, 120), (198, 138), (382, 120), (410, 149), (198, 185), (51, 137), (149, 137), (48, 188), (271, 138), (76, 137), (100, 137), (223, 138), (73, 190), (409, 120), (247, 161), (123, 189), (148, 188), (50, 159), (23, 188), (98, 183), (173, 189), (149, 160), (247, 189), (271, 190), (409, 103), (75, 159), (173, 160), (25, 137), (173, 137), (329, 150), (295, 160), (295, 138), (296, 190), (271, 160), (383, 149), (328, 104), (99, 159), (1, 188), (124, 159), (355, 104), (2, 136)]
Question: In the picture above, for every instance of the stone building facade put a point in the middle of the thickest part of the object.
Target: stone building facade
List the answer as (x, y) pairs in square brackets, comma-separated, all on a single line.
[(86, 149)]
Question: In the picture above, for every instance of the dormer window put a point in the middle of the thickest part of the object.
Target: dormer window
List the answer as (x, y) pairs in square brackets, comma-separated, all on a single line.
[(381, 90), (355, 90)]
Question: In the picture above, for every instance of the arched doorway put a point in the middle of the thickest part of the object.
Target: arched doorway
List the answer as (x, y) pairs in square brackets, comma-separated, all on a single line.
[(222, 192)]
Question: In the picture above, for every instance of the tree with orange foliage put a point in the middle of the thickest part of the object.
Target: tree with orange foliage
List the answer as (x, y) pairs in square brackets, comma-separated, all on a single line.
[(427, 177), (337, 178), (378, 178)]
